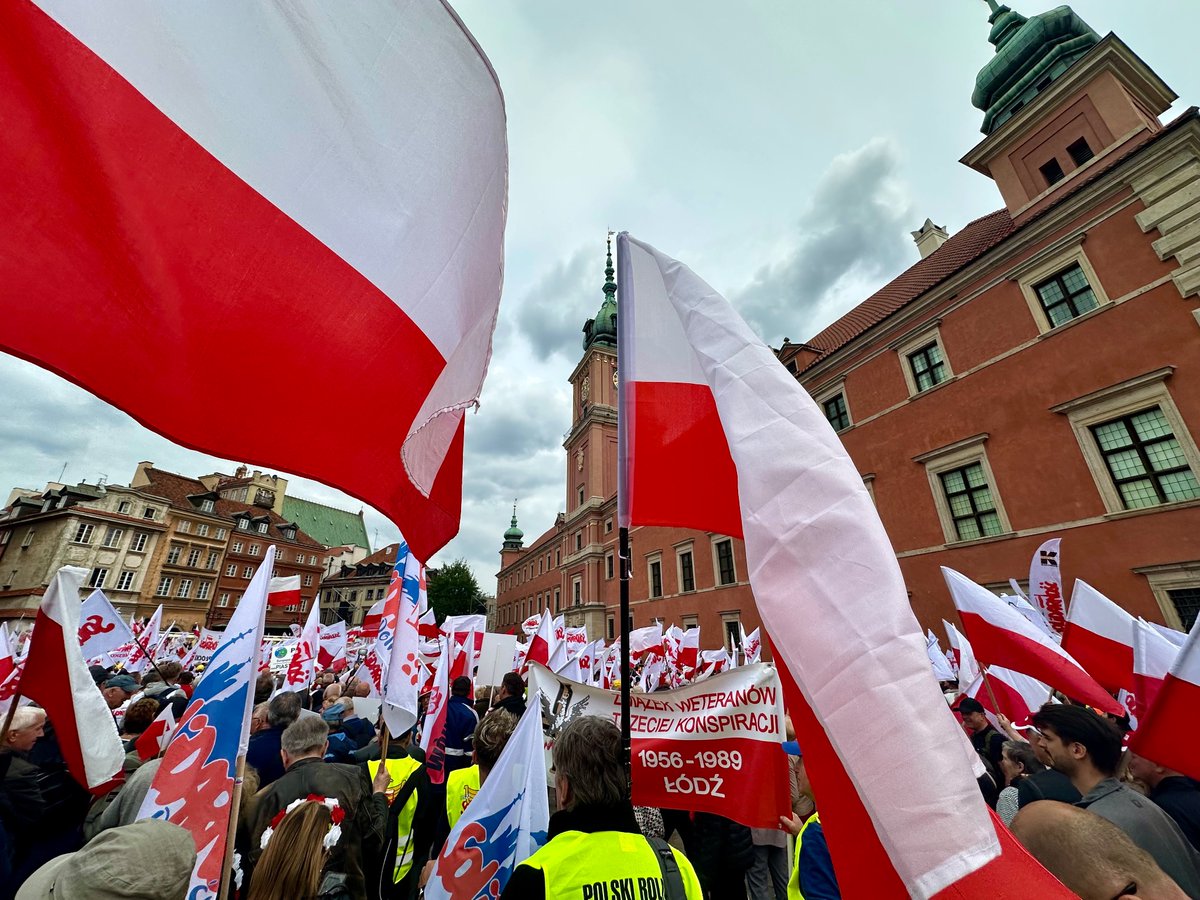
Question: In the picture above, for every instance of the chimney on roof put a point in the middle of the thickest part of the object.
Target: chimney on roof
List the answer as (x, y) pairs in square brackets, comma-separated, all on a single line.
[(140, 478), (929, 237)]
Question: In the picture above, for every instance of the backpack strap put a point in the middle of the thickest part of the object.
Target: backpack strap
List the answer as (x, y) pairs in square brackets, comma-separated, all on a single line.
[(673, 888)]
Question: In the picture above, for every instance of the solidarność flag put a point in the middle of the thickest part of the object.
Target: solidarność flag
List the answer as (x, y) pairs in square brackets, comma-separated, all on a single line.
[(705, 401), (305, 188)]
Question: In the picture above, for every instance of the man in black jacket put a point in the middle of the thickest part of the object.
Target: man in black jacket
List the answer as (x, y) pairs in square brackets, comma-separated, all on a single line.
[(1174, 793), (511, 696), (306, 774)]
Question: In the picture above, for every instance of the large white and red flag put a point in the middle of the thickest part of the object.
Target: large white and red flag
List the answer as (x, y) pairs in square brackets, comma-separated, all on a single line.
[(1153, 656), (1046, 586), (1001, 636), (689, 650), (542, 644), (56, 677), (301, 669), (1165, 730), (145, 644), (101, 628), (1099, 635), (645, 640), (284, 591), (332, 644), (398, 644), (704, 400), (1017, 696), (317, 178), (193, 786)]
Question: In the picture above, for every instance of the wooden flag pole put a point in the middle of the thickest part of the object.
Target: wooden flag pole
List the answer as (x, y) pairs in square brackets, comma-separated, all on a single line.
[(234, 804), (383, 742), (626, 732), (988, 684)]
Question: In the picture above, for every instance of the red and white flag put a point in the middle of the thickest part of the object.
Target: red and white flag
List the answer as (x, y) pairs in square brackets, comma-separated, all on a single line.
[(542, 644), (433, 729), (316, 178), (7, 661), (559, 658), (369, 630), (704, 401), (146, 643), (154, 739), (301, 670), (1000, 636), (332, 644), (530, 625), (1166, 728), (1099, 636), (960, 648), (1017, 696), (101, 628), (645, 640), (1153, 656), (56, 677), (284, 591), (751, 646), (689, 649), (427, 626), (1045, 584)]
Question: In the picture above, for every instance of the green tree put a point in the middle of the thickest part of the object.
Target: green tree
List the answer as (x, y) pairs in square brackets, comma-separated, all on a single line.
[(453, 591)]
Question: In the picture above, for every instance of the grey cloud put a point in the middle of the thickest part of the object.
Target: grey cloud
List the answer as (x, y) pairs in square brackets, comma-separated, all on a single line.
[(551, 314), (853, 231)]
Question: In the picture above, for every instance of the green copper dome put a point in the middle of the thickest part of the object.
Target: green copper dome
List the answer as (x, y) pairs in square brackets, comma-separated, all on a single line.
[(514, 536), (603, 328), (1030, 54)]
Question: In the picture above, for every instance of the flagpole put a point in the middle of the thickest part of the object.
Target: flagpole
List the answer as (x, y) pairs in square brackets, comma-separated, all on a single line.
[(231, 835), (988, 684), (626, 732), (149, 658)]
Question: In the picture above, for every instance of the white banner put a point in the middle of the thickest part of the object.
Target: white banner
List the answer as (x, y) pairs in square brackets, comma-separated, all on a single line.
[(1045, 584), (101, 629)]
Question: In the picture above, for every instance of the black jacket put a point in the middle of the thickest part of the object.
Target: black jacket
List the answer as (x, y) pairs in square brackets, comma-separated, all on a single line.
[(1178, 798), (1047, 784), (514, 705), (363, 831)]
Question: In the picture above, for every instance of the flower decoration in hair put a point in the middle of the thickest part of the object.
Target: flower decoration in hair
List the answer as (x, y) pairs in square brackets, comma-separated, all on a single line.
[(336, 816)]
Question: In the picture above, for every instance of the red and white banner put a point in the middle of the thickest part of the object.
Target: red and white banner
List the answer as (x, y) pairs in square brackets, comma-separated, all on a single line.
[(542, 644), (332, 643), (301, 668), (1001, 636), (56, 677), (530, 625), (645, 640), (146, 643), (276, 144), (369, 630), (154, 739), (206, 645), (751, 646), (284, 591), (101, 628), (1045, 584), (1099, 635), (710, 747), (1153, 656), (1166, 729)]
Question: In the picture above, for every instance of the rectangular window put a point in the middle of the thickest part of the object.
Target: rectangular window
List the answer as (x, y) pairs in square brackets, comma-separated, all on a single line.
[(312, 560), (262, 527), (612, 625), (308, 581), (608, 565), (928, 367), (558, 557), (254, 549), (557, 600), (687, 572), (164, 586), (173, 554), (202, 529), (202, 590), (221, 534), (185, 588), (184, 527), (1187, 605), (124, 506), (248, 572), (194, 558), (970, 500), (125, 581), (237, 546), (608, 525), (148, 512), (725, 571), (99, 576), (207, 505), (578, 541), (113, 536), (1145, 460), (231, 570), (1080, 152), (83, 534), (836, 413), (139, 542), (223, 600), (656, 589), (212, 561), (577, 591), (28, 539), (1066, 295), (1052, 172), (243, 524), (733, 634)]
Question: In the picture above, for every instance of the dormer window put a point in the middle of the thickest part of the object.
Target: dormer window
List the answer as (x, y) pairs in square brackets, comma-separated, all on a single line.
[(207, 506), (243, 524), (289, 534), (1052, 172), (1080, 152), (262, 527)]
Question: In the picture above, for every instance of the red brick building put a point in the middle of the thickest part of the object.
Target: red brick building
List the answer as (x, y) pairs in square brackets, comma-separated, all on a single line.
[(1035, 375), (1038, 373)]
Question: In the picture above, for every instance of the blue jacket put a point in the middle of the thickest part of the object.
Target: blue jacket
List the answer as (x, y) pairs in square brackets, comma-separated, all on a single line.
[(461, 720), (263, 754)]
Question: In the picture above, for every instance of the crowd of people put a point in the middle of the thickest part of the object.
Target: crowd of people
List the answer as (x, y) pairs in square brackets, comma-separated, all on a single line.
[(333, 807)]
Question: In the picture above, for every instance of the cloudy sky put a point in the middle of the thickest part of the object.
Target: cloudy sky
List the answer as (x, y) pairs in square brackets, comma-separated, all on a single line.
[(783, 150)]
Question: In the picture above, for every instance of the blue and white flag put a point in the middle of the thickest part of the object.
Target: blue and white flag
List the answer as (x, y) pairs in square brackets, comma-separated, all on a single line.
[(193, 786), (398, 646), (505, 824)]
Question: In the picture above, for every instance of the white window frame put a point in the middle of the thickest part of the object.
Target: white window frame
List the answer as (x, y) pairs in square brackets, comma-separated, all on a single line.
[(243, 524), (715, 540), (185, 588), (831, 390), (138, 545), (728, 639), (213, 558), (610, 566), (576, 590), (231, 570), (193, 559), (1041, 268), (932, 334), (1122, 399), (262, 527), (954, 456), (112, 537), (1170, 577), (254, 550), (223, 600), (164, 586), (173, 554), (221, 533), (98, 577), (307, 581), (207, 505), (124, 506), (248, 572), (83, 534), (125, 580), (148, 512), (202, 529), (202, 590), (184, 527), (28, 539)]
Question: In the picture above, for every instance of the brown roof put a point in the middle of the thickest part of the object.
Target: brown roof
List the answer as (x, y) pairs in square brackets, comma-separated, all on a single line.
[(957, 253), (385, 556)]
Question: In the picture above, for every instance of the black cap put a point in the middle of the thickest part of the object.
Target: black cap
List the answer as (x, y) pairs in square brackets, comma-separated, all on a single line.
[(969, 705)]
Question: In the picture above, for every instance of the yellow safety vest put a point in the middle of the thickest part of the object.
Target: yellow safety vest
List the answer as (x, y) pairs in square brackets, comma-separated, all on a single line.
[(461, 787), (794, 882), (607, 865), (399, 771)]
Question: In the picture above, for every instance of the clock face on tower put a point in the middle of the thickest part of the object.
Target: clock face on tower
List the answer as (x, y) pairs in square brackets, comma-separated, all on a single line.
[(614, 377)]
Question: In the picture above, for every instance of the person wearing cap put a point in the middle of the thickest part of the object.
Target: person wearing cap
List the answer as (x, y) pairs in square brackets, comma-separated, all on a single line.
[(813, 877), (151, 859), (984, 738), (118, 689)]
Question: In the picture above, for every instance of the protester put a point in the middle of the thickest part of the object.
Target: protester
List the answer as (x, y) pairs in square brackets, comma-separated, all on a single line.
[(353, 733), (461, 720), (594, 838), (292, 865), (263, 750), (722, 851), (511, 695), (118, 690), (186, 685), (1047, 784), (150, 860), (316, 693), (1174, 792), (122, 805), (137, 718), (412, 817), (264, 687), (161, 684), (986, 739), (1090, 855), (1087, 748), (1017, 762), (258, 718), (813, 877), (307, 775)]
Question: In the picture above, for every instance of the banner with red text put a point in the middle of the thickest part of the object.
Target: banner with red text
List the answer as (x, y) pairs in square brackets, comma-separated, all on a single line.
[(1045, 584), (708, 747)]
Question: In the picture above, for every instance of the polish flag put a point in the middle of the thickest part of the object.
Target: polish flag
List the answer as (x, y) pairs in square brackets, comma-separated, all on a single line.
[(427, 626), (146, 643), (371, 621), (1018, 696), (559, 658), (1163, 735), (315, 178), (284, 591), (301, 668), (1003, 637), (704, 401), (645, 640), (689, 649), (8, 662), (541, 645), (1153, 656), (332, 644), (154, 739), (56, 677), (1098, 635)]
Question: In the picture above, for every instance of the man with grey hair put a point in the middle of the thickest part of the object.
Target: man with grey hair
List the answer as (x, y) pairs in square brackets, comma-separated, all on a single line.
[(357, 852), (263, 751), (595, 849)]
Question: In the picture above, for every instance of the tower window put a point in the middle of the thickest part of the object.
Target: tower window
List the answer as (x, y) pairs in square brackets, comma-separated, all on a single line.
[(1052, 172), (1080, 151)]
